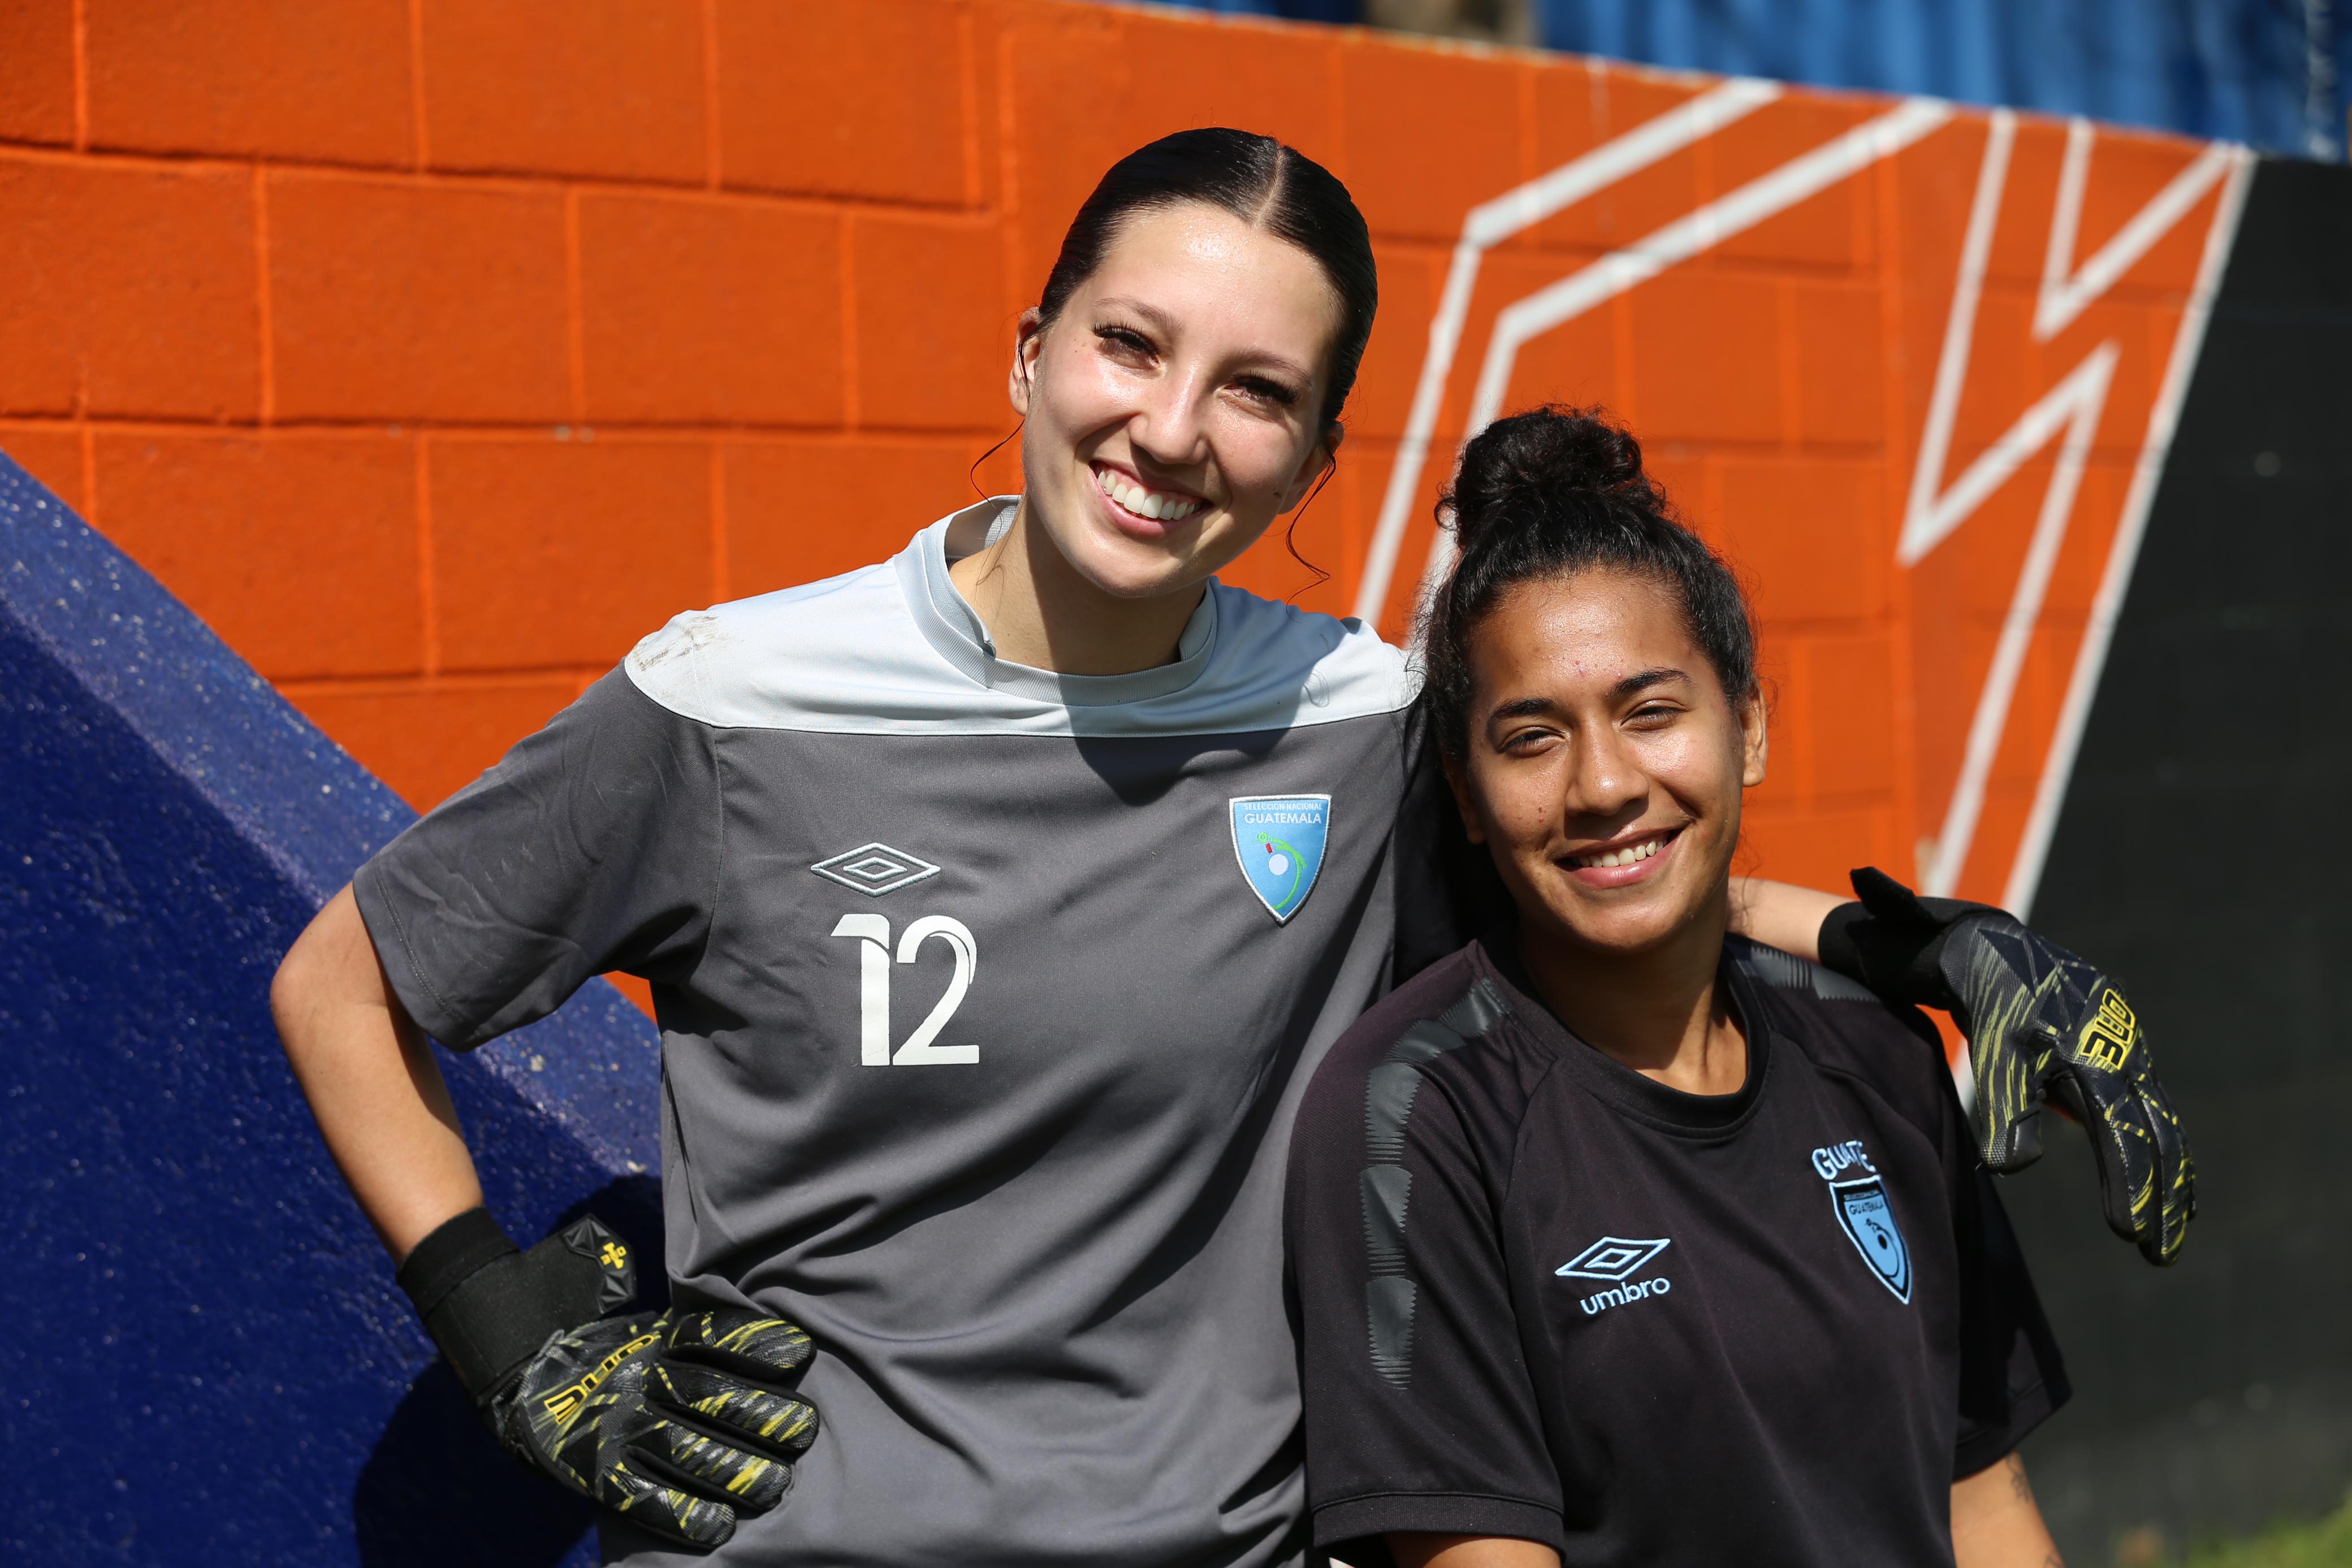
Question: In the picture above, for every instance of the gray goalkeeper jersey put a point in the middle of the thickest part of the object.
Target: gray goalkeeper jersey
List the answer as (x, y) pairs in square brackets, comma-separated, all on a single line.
[(986, 996)]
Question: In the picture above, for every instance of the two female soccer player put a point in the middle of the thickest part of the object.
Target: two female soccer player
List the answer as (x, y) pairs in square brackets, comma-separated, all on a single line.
[(1620, 1239), (998, 900)]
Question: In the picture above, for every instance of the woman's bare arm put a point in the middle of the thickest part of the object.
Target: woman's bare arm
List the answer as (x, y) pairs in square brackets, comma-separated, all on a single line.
[(1781, 915), (1416, 1550), (369, 1074), (1995, 1523)]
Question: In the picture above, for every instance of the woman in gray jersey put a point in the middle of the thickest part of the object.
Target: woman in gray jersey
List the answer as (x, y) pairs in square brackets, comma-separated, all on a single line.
[(997, 901)]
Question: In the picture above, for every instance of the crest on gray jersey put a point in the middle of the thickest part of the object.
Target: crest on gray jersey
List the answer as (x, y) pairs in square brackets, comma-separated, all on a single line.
[(1279, 838)]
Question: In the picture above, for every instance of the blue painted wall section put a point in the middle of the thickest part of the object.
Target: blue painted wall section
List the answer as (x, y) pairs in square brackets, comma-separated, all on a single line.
[(208, 1360)]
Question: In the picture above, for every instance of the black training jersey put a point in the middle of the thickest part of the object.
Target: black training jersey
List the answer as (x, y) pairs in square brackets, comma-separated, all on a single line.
[(1544, 1296)]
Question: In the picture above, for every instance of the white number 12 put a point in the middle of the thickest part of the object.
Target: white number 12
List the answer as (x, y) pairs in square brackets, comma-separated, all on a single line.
[(873, 934)]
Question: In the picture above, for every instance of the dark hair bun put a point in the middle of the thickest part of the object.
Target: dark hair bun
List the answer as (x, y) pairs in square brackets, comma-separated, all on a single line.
[(1551, 493), (1528, 464)]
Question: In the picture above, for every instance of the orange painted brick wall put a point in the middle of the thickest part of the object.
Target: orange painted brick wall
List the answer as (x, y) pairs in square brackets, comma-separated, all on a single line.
[(434, 351)]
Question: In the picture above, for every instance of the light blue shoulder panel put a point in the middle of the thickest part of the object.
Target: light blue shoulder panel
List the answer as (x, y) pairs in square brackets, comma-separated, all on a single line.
[(894, 649)]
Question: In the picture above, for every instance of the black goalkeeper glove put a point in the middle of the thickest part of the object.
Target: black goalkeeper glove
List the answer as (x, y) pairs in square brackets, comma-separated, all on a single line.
[(2041, 1024), (681, 1421)]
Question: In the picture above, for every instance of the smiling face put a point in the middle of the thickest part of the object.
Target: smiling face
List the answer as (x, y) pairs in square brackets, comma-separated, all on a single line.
[(1174, 406), (1603, 763)]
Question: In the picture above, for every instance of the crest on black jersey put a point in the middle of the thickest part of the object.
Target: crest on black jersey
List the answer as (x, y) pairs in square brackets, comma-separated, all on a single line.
[(1867, 1218)]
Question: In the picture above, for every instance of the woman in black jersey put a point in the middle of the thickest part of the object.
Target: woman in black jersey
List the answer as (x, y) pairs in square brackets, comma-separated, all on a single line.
[(1620, 1239)]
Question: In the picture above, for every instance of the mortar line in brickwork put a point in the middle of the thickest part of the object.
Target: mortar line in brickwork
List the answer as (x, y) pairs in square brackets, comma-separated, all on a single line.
[(1779, 628), (1788, 344), (713, 143), (1723, 263), (622, 431), (1851, 799), (575, 332), (1530, 136), (515, 181), (849, 397), (522, 182), (89, 443), (1008, 166), (162, 161), (718, 564), (422, 684), (1747, 448), (968, 104), (81, 75), (1903, 675), (1621, 349), (108, 158), (261, 302), (427, 600), (1335, 105), (416, 84)]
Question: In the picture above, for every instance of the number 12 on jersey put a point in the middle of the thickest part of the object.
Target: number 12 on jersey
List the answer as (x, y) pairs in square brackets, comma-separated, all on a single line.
[(873, 935)]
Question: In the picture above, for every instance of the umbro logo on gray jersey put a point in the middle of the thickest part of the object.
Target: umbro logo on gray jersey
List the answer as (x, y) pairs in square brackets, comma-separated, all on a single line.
[(874, 868)]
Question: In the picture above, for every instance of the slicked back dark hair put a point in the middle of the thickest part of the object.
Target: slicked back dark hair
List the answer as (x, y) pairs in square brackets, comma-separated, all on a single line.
[(1262, 182), (1551, 493)]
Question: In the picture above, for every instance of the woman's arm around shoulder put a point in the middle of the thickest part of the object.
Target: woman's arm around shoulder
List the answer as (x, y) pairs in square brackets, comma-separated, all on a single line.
[(1995, 1523), (1781, 914)]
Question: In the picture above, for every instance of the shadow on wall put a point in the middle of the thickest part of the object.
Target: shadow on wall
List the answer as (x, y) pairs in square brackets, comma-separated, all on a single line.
[(210, 1363)]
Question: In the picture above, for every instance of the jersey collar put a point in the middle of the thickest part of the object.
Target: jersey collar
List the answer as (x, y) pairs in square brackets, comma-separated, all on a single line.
[(957, 634), (1710, 1117)]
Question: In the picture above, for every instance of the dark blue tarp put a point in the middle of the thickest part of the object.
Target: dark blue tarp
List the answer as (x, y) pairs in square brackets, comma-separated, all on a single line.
[(207, 1361), (2241, 70), (2270, 73)]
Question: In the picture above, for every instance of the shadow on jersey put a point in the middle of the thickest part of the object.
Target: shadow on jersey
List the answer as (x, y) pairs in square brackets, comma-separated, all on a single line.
[(1868, 1221)]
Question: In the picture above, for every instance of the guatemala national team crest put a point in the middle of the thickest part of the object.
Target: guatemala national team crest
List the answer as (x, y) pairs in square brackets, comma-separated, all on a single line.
[(1868, 1221), (1279, 841)]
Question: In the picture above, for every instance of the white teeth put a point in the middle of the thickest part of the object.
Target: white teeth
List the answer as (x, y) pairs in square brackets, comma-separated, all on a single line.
[(1631, 854), (1145, 503)]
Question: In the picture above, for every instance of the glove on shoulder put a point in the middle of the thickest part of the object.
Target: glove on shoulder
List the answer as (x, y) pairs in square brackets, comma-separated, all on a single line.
[(682, 1421), (2041, 1024)]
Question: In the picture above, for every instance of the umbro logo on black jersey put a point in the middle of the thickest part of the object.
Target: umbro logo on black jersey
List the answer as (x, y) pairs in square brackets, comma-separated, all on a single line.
[(874, 868), (1616, 1259), (1612, 1258)]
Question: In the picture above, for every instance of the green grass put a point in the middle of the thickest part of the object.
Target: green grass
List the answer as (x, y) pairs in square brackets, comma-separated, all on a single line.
[(2326, 1545)]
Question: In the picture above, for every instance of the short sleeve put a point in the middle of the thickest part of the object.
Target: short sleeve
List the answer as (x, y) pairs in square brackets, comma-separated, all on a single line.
[(2012, 1376), (593, 845), (1419, 1411)]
